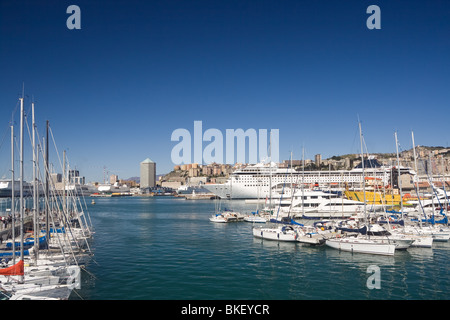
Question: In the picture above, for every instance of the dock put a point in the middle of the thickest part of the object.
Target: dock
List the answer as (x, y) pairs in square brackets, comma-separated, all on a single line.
[(199, 196)]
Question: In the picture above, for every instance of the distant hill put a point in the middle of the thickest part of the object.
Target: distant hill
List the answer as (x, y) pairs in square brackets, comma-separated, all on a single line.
[(437, 150)]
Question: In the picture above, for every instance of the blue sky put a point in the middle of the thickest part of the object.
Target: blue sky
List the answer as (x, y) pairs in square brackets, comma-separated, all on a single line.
[(115, 90)]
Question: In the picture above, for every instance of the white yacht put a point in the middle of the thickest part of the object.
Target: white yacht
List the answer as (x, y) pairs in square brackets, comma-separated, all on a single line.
[(317, 204), (430, 203), (278, 233), (113, 188)]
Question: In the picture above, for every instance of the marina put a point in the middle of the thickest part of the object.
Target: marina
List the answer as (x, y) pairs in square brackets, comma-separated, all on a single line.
[(211, 155), (205, 249), (45, 235), (59, 243), (174, 252)]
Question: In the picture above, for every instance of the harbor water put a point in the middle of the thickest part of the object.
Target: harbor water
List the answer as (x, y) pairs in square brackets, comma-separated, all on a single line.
[(165, 248)]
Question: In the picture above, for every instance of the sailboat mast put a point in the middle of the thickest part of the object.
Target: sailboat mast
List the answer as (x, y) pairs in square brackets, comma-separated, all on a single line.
[(417, 175), (292, 193), (47, 229), (35, 191), (443, 187), (270, 171), (21, 182), (13, 200), (399, 180), (303, 181), (362, 166), (64, 182)]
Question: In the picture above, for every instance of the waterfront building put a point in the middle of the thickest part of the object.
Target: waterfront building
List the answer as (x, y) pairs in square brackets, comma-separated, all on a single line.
[(74, 177), (56, 177), (318, 160), (148, 174)]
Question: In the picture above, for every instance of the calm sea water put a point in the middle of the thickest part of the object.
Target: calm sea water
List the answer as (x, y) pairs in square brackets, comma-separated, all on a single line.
[(165, 248)]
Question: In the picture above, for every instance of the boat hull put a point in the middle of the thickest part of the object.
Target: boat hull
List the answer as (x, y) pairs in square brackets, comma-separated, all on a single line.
[(276, 234), (255, 219), (422, 242), (400, 244), (218, 220), (312, 239), (227, 217), (361, 246)]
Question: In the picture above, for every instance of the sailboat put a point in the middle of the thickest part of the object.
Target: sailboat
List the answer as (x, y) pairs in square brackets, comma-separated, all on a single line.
[(255, 218), (287, 230), (225, 216), (280, 233), (358, 244), (401, 227), (219, 218), (40, 274), (14, 270), (361, 245), (437, 228)]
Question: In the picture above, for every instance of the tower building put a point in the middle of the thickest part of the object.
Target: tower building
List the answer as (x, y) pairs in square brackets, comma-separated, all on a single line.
[(148, 173)]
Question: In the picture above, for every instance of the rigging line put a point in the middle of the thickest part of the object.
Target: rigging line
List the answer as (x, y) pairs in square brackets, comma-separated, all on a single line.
[(79, 296), (372, 207), (89, 273), (14, 111), (282, 193), (7, 129), (353, 143), (89, 215), (75, 200), (294, 191), (65, 216), (56, 149), (11, 121), (47, 204), (88, 225), (60, 217)]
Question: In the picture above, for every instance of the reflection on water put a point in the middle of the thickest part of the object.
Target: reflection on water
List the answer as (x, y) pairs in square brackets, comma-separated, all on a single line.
[(166, 248)]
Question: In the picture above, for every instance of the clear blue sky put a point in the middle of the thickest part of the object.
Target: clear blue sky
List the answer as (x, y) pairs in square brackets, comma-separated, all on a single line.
[(115, 90)]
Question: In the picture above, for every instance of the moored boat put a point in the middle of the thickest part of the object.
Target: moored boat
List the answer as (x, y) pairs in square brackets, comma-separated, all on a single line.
[(279, 233), (354, 244), (227, 216), (255, 218)]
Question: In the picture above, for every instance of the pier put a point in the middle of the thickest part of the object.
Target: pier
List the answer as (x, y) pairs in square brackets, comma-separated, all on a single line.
[(6, 227)]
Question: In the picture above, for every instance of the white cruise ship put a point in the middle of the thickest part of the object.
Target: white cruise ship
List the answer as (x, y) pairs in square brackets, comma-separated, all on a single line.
[(257, 181), (6, 188)]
